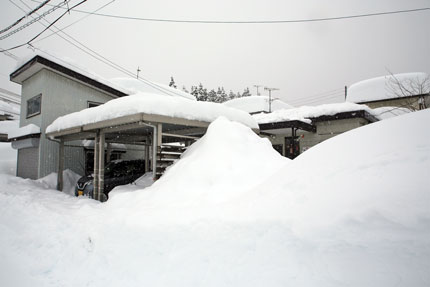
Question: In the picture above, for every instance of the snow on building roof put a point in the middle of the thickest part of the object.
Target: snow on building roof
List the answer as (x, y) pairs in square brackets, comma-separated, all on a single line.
[(118, 87), (151, 104), (305, 113), (30, 129), (255, 104), (387, 87), (66, 65), (138, 85)]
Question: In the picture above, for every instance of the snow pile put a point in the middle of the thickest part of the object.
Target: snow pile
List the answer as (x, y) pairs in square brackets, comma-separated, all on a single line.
[(70, 179), (142, 182), (29, 129), (144, 86), (8, 158), (151, 104), (305, 113), (384, 113), (255, 104), (388, 87), (351, 211)]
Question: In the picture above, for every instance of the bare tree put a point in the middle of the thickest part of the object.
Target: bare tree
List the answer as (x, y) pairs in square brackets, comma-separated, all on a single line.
[(414, 91)]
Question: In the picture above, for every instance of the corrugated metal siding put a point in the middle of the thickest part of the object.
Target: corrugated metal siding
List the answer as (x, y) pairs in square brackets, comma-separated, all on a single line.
[(28, 159), (60, 96)]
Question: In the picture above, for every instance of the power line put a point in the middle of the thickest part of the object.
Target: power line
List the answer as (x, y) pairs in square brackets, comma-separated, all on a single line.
[(73, 23), (32, 21), (23, 17), (318, 97), (101, 58), (256, 21), (51, 24)]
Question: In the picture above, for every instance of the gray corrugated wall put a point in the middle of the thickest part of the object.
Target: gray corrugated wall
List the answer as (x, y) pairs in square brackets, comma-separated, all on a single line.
[(28, 160), (60, 96)]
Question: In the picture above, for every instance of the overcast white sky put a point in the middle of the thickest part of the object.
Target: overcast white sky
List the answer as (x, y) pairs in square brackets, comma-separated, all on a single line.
[(306, 61)]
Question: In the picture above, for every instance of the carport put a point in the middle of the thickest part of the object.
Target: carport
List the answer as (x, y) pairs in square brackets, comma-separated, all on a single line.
[(138, 120), (138, 129)]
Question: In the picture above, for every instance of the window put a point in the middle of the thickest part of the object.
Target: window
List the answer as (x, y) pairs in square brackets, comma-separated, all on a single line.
[(93, 104), (34, 106)]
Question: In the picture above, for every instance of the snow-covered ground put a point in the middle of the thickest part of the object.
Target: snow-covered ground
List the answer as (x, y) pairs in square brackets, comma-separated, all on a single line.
[(7, 159), (351, 211)]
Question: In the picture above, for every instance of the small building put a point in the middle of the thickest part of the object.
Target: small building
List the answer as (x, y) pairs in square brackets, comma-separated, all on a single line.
[(51, 88), (408, 90), (293, 131)]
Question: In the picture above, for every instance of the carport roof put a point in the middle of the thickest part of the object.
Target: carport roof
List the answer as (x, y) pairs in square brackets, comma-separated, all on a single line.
[(175, 113)]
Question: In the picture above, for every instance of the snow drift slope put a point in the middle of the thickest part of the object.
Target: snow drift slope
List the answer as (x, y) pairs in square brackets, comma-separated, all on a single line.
[(222, 166), (352, 211)]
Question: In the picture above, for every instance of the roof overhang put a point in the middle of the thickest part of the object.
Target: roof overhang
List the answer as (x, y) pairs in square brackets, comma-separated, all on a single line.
[(37, 63), (133, 125), (346, 115), (297, 124)]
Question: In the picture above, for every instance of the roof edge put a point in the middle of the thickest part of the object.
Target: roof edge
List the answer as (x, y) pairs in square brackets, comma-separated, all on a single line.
[(66, 71)]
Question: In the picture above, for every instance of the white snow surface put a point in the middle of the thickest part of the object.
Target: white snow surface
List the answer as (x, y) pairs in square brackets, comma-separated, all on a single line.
[(70, 64), (304, 113), (382, 88), (140, 85), (8, 157), (255, 104), (351, 211), (7, 127), (384, 113), (151, 104), (29, 129)]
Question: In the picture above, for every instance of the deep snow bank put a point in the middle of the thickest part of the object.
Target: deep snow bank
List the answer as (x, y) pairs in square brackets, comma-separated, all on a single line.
[(352, 211), (225, 163)]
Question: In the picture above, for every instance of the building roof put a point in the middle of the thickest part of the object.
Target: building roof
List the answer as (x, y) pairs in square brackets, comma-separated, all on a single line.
[(29, 67), (387, 87), (257, 104), (308, 114), (117, 87)]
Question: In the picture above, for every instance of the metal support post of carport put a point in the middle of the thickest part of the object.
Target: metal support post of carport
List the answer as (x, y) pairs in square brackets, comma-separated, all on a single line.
[(60, 166)]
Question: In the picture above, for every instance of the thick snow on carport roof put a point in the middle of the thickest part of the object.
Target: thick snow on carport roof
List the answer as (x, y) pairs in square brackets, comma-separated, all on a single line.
[(175, 107), (386, 87)]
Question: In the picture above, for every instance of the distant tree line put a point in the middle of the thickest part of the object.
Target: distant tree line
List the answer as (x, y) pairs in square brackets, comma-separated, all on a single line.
[(219, 96)]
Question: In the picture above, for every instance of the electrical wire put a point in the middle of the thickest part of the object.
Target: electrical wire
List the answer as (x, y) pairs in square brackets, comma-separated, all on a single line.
[(32, 21), (99, 57), (256, 21), (51, 24), (23, 17)]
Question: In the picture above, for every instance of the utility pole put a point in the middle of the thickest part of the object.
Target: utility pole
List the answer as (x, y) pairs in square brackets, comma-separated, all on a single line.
[(346, 92), (270, 96), (137, 75), (257, 86)]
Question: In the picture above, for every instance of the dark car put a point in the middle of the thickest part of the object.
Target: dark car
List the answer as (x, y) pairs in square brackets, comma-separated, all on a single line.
[(117, 172)]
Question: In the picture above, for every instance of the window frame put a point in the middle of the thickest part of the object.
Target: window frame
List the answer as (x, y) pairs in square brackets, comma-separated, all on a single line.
[(28, 115)]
